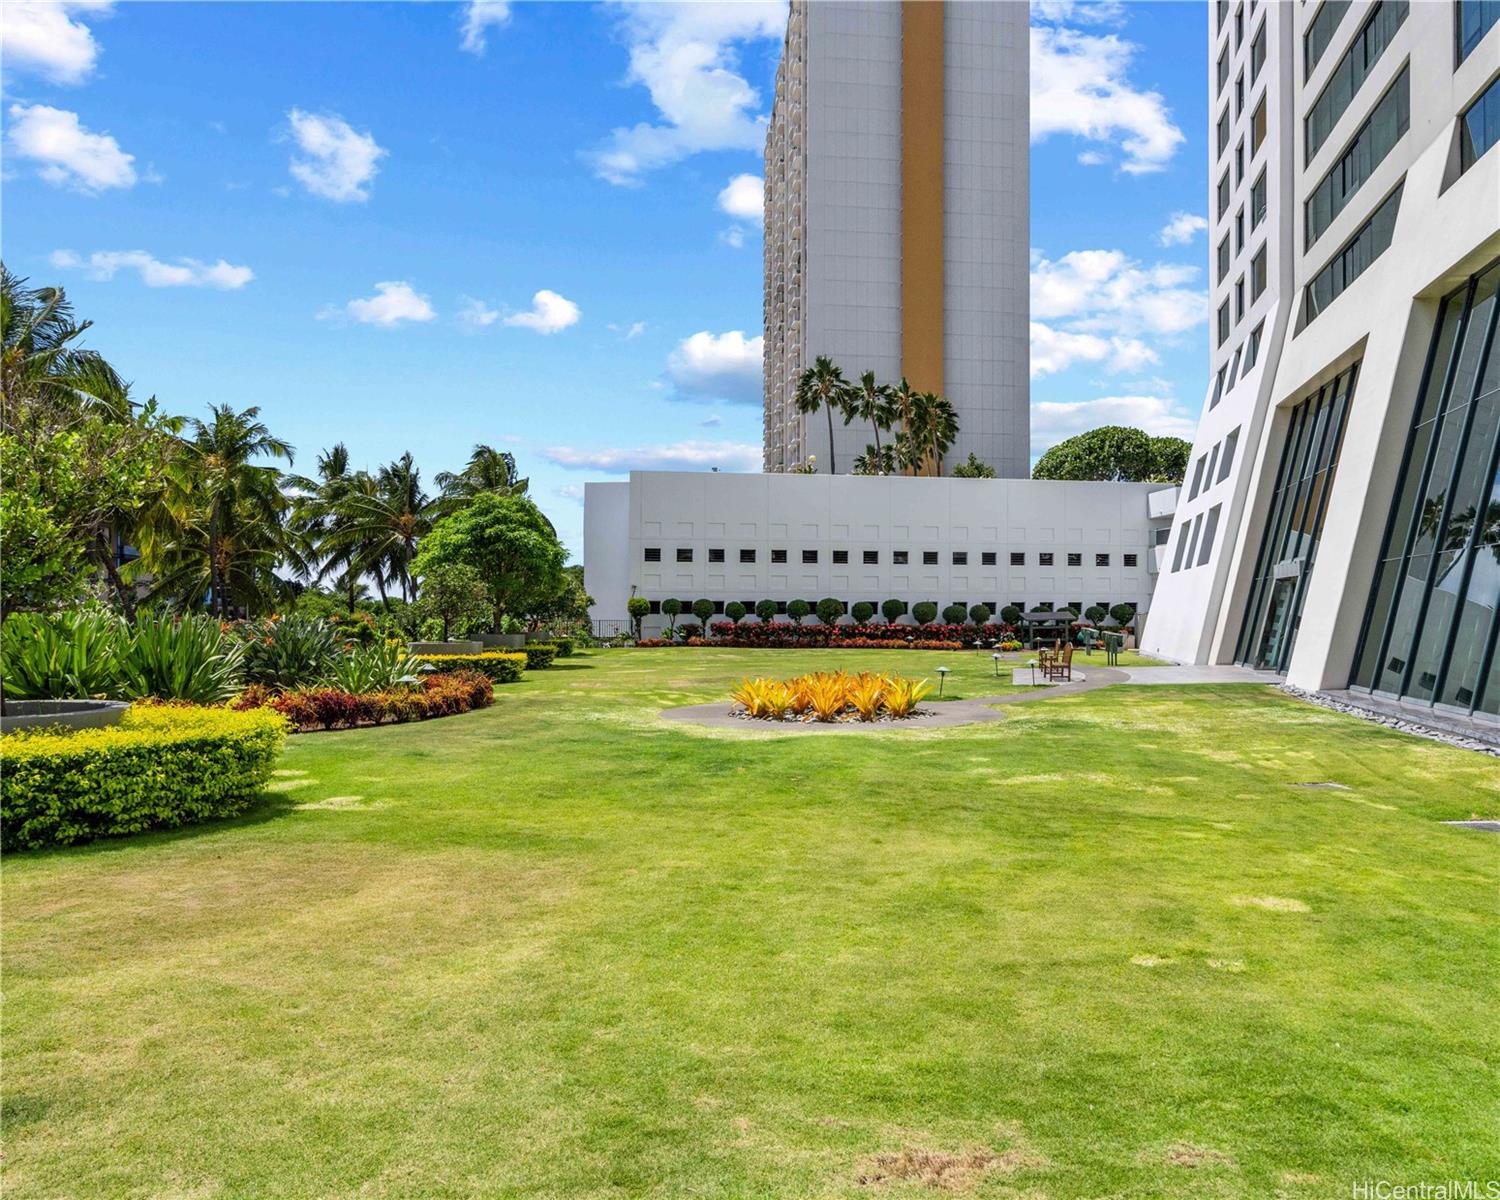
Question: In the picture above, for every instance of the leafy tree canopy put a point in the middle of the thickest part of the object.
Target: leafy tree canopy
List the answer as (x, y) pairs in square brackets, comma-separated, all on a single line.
[(457, 595), (1116, 453), (973, 469)]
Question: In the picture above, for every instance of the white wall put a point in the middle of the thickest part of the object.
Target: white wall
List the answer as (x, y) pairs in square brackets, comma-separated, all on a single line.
[(702, 511)]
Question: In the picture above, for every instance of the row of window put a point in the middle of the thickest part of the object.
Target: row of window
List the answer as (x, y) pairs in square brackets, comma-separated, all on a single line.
[(1353, 69), (1257, 286), (1475, 19), (1369, 243), (1320, 33), (994, 606), (1214, 468), (1479, 129), (900, 558), (1195, 540), (1250, 351), (1232, 179), (1367, 150), (1257, 215)]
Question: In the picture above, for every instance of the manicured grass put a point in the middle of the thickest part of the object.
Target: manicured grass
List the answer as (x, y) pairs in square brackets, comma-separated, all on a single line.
[(560, 948)]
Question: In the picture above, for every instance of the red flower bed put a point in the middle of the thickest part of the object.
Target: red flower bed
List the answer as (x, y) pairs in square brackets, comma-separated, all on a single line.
[(329, 708)]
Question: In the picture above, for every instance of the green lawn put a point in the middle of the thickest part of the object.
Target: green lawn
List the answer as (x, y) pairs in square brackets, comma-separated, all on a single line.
[(559, 948)]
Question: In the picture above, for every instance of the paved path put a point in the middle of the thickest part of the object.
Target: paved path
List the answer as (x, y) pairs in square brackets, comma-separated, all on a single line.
[(1191, 675)]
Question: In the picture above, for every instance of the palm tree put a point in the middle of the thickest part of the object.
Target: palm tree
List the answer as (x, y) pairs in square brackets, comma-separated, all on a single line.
[(382, 518), (876, 460), (870, 401), (41, 362), (318, 509), (488, 470), (823, 386), (942, 428), (221, 526)]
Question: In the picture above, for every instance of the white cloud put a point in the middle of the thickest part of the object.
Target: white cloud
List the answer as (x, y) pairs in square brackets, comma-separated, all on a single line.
[(1181, 229), (1091, 158), (1053, 421), (725, 366), (338, 163), (690, 455), (712, 422), (744, 197), (46, 38), (734, 237), (570, 491), (476, 314), (550, 313), (627, 332), (392, 303), (1055, 350), (1080, 87), (1105, 291), (478, 16), (686, 55), (1084, 12), (184, 272), (70, 155)]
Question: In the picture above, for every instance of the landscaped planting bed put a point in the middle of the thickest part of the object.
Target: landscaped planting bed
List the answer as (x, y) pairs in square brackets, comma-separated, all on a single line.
[(830, 696), (442, 695)]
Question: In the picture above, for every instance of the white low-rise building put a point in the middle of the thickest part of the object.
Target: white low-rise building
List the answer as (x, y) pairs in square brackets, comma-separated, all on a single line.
[(722, 537)]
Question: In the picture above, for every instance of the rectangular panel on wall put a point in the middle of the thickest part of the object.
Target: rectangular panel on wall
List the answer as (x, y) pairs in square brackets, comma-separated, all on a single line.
[(1430, 630)]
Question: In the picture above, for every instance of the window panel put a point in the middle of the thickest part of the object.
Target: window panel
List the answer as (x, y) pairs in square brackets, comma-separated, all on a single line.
[(1320, 33), (1366, 151), (1475, 19), (1352, 70), (1479, 127), (1372, 240)]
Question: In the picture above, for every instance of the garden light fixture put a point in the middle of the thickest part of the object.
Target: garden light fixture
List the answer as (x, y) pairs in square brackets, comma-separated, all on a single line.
[(996, 659), (942, 677)]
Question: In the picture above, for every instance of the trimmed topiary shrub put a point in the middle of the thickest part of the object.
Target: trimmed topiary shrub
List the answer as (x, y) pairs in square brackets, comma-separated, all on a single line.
[(703, 609), (980, 614), (539, 655), (1096, 613), (1123, 613), (955, 614), (829, 610), (862, 611), (671, 609), (735, 611), (797, 609), (161, 766), (1010, 614), (924, 612), (565, 646), (498, 666), (892, 609), (765, 610)]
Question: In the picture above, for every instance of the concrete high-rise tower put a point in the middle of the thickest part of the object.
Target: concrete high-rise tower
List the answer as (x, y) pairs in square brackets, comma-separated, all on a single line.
[(897, 231)]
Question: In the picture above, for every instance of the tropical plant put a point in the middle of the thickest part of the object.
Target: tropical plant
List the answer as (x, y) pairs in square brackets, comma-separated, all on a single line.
[(892, 609), (488, 470), (180, 658), (638, 608), (826, 694), (456, 596), (862, 611), (924, 612), (973, 469), (875, 460), (872, 402), (1116, 453), (42, 366), (288, 652), (866, 695), (823, 386), (380, 521), (765, 610), (763, 698), (903, 695), (67, 656), (386, 664)]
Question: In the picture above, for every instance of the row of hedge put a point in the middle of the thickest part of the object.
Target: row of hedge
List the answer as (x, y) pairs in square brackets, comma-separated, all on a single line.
[(829, 610), (329, 708), (800, 644), (161, 766)]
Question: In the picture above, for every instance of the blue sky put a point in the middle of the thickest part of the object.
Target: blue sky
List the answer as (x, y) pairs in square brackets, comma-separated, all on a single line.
[(423, 225)]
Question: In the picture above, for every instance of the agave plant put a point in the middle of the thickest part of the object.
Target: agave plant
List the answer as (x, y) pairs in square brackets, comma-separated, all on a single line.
[(188, 658), (288, 652), (373, 668), (72, 656)]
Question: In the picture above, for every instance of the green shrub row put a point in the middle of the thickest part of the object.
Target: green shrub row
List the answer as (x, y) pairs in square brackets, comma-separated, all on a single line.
[(161, 766), (539, 655), (502, 666)]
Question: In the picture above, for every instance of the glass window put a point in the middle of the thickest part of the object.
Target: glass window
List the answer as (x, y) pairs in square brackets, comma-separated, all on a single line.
[(684, 554), (1258, 201), (1258, 53), (747, 556), (1044, 558), (1234, 369), (1223, 322), (1239, 161), (1210, 527), (1222, 13), (1101, 560), (1218, 390), (1366, 151), (1258, 273), (809, 556), (1258, 126), (1224, 130), (1224, 259), (716, 555), (960, 558), (929, 558), (1075, 558), (871, 558), (1252, 347), (1294, 526), (1239, 94), (1182, 536), (1475, 19), (1223, 68), (840, 557), (778, 556), (1431, 626), (899, 557), (1239, 230), (1343, 84), (1239, 299), (1230, 444), (1198, 477), (1223, 195), (1372, 240), (1479, 128), (653, 554), (1239, 26), (1018, 558), (1320, 33)]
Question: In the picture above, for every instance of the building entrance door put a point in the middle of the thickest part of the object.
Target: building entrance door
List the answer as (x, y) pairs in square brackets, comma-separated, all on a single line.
[(1270, 655)]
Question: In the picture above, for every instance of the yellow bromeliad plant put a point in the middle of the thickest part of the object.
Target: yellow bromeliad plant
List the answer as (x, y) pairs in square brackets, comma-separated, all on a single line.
[(831, 696)]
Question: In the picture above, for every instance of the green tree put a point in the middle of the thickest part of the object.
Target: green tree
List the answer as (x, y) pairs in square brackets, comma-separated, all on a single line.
[(765, 610), (872, 402), (639, 608), (954, 614), (1115, 453), (797, 609), (508, 541), (44, 368), (862, 611), (1123, 614), (570, 607), (891, 609), (671, 608), (703, 610), (488, 470), (382, 521), (1010, 614), (980, 614), (735, 611), (973, 469), (829, 610), (823, 386), (924, 611), (1096, 613), (457, 595), (319, 515)]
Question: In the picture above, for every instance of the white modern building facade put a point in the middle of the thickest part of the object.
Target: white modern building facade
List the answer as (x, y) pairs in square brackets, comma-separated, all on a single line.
[(1340, 521), (896, 220), (996, 542)]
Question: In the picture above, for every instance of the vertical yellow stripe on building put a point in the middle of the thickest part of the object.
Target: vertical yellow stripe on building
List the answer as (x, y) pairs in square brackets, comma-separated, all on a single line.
[(922, 193)]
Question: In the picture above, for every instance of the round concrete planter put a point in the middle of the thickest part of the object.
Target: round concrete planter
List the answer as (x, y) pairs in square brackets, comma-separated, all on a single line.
[(61, 714), (423, 648), (503, 641)]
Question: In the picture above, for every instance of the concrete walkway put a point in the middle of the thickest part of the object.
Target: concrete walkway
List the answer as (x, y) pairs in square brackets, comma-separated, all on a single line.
[(1191, 675)]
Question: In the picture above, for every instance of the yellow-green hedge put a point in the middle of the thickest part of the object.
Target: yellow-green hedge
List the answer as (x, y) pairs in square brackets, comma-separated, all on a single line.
[(500, 666), (160, 766)]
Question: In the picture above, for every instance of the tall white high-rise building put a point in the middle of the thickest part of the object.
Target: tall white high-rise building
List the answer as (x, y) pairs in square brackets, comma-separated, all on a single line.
[(1340, 520), (897, 191)]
